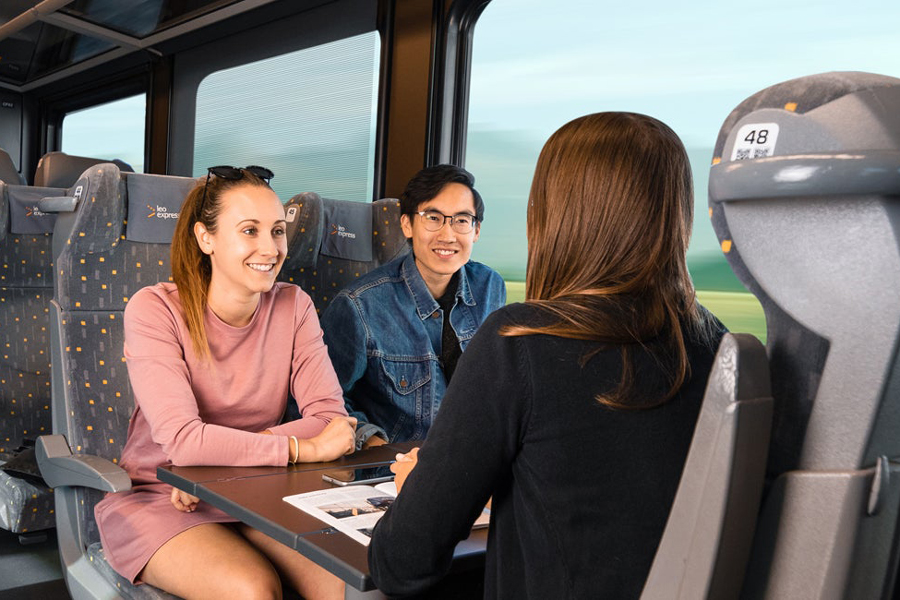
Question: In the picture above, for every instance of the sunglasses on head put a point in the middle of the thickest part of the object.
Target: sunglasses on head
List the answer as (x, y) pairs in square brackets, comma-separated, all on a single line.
[(233, 174)]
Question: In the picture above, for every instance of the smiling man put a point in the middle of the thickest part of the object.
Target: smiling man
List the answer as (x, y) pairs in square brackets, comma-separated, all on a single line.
[(395, 336)]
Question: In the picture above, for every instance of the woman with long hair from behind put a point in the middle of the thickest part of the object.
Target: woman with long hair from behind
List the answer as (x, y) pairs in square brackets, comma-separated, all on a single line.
[(212, 359), (573, 411)]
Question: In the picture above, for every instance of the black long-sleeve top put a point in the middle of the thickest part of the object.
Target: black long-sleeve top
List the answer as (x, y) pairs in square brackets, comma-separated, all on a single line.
[(581, 492)]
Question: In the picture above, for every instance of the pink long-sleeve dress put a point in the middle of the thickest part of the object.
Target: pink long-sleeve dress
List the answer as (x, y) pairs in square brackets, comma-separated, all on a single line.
[(191, 412)]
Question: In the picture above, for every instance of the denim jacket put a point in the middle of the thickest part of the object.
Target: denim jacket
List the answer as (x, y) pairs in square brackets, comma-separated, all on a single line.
[(384, 338)]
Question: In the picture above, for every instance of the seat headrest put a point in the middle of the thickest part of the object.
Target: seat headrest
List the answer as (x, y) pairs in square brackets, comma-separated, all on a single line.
[(805, 219), (100, 216), (348, 230), (802, 95), (58, 169), (304, 230), (340, 229), (8, 172), (154, 202)]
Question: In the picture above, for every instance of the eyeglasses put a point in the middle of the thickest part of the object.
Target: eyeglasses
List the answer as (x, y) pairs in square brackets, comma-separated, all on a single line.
[(234, 173), (434, 220)]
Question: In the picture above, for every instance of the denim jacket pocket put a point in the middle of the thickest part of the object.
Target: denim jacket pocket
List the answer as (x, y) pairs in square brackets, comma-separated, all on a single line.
[(408, 383)]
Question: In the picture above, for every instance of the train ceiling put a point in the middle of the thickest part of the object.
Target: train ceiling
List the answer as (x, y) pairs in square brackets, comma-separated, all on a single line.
[(42, 42)]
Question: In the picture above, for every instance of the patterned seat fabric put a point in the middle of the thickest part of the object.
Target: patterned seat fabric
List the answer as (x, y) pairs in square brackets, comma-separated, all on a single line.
[(319, 259), (123, 586), (26, 274), (98, 270)]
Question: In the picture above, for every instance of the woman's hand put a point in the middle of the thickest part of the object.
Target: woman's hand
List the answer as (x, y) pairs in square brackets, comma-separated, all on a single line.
[(404, 466), (183, 501), (337, 439)]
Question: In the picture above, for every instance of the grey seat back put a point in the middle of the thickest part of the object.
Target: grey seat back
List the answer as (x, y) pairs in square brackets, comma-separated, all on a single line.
[(8, 171), (26, 287), (26, 279), (333, 242), (804, 199), (117, 243), (704, 549)]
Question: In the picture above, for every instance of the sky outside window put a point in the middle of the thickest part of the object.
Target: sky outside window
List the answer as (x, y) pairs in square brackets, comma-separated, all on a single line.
[(108, 131), (537, 65)]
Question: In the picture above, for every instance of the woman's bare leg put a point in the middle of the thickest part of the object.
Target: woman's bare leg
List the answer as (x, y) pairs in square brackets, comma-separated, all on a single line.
[(309, 579), (212, 561)]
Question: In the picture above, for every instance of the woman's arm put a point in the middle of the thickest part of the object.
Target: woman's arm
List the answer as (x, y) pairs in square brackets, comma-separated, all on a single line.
[(161, 382), (315, 387), (469, 448)]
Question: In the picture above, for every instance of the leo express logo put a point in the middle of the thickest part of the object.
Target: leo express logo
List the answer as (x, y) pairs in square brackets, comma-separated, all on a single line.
[(161, 212), (34, 211), (341, 231)]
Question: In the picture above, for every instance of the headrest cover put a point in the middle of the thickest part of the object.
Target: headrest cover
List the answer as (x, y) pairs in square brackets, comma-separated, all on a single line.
[(24, 216), (154, 202), (303, 214), (58, 169), (802, 95), (100, 216), (348, 230)]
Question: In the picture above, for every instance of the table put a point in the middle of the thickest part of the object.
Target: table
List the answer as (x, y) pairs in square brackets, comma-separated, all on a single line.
[(254, 495)]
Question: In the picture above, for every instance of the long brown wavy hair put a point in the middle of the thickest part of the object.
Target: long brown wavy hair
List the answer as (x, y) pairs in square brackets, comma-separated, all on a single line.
[(609, 222), (191, 268)]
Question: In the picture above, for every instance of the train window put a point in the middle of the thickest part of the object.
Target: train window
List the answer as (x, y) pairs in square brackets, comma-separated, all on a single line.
[(537, 65), (309, 115), (112, 130)]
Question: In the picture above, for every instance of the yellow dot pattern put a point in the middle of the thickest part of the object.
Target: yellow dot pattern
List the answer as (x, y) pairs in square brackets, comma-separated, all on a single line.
[(26, 279), (323, 277), (96, 275)]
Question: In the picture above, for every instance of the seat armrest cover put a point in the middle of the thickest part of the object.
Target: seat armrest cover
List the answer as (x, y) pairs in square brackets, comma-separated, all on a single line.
[(60, 467), (58, 204)]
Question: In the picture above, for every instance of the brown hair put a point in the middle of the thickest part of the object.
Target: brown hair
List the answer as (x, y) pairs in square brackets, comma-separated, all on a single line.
[(609, 221), (191, 267)]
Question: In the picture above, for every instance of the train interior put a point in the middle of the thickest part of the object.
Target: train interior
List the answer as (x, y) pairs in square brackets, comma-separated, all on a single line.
[(792, 487)]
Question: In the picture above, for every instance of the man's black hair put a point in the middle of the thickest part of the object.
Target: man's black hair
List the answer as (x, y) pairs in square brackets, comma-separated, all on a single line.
[(428, 183)]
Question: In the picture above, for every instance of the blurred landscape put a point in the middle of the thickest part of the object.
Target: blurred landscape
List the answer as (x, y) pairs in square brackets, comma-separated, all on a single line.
[(503, 164)]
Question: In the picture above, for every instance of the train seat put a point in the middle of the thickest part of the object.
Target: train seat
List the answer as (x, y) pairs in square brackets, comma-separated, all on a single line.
[(333, 242), (58, 169), (26, 287), (115, 242), (704, 549), (8, 171), (803, 196)]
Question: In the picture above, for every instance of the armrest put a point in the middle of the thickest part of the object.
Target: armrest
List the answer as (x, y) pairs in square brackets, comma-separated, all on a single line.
[(60, 467), (58, 204)]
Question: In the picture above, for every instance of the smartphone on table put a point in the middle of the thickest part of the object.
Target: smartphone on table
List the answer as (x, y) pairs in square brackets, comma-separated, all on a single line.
[(358, 476)]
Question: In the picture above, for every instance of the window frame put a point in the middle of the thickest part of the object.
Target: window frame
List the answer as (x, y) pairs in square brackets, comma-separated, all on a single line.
[(450, 104), (53, 109)]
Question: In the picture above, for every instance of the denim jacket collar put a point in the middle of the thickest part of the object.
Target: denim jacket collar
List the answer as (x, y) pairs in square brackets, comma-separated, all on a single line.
[(425, 302)]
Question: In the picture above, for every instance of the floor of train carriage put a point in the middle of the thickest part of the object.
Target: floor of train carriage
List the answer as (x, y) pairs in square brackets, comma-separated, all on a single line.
[(30, 571)]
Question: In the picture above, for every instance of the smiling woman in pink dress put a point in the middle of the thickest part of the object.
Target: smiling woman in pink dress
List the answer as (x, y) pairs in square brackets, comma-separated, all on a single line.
[(212, 359)]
